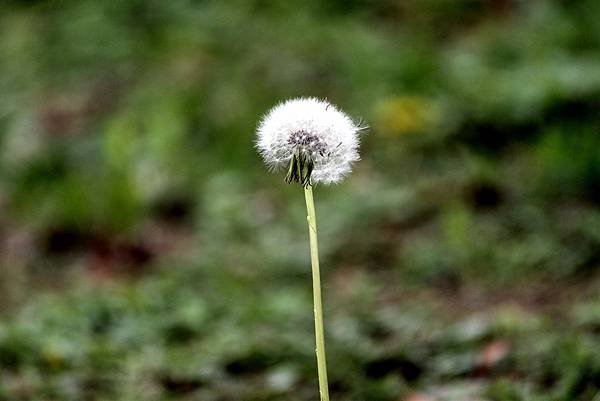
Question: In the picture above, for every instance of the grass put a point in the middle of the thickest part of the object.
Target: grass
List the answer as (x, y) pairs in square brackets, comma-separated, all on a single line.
[(144, 254)]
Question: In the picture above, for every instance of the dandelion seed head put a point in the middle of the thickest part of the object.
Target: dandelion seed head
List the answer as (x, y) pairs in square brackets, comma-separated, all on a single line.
[(313, 131)]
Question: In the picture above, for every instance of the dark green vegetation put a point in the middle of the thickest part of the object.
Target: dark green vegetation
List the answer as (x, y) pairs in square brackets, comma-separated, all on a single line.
[(146, 254)]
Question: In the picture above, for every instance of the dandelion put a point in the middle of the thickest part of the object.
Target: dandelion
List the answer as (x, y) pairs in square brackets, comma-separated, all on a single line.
[(312, 138), (318, 144)]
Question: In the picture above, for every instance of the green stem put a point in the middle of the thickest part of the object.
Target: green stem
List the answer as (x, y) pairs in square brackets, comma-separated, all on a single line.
[(316, 276)]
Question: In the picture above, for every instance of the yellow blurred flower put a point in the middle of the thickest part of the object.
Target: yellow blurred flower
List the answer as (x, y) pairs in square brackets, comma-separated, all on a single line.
[(54, 358), (400, 115)]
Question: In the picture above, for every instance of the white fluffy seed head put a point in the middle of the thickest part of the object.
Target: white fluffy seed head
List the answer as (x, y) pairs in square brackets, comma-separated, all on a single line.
[(313, 130)]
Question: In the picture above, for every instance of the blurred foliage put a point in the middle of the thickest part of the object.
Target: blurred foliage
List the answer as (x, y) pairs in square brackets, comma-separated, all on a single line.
[(145, 252)]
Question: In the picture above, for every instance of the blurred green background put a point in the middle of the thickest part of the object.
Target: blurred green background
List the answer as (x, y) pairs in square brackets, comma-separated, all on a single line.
[(147, 254)]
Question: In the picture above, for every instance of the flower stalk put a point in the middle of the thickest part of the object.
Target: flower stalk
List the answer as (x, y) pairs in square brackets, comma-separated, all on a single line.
[(318, 305)]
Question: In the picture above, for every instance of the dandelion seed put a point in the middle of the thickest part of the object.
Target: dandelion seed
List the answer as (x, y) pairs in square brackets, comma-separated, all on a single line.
[(316, 141)]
